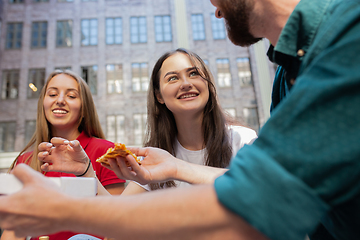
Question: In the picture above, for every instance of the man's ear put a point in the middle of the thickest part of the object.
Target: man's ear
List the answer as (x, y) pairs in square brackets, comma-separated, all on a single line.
[(159, 98)]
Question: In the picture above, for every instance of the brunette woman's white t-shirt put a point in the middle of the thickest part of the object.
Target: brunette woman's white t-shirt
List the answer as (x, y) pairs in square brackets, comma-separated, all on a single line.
[(239, 137)]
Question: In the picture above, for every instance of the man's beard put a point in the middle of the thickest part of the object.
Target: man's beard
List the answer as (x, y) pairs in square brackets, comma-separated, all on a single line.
[(236, 15)]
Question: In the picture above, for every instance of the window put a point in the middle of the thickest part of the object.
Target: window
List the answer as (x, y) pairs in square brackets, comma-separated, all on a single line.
[(64, 0), (14, 35), (38, 34), (223, 72), (30, 127), (7, 136), (89, 32), (16, 1), (198, 27), (163, 29), (218, 27), (36, 82), (139, 121), (244, 71), (251, 117), (113, 31), (89, 74), (64, 33), (40, 1), (10, 84), (63, 68), (114, 78), (140, 79), (138, 30), (115, 130)]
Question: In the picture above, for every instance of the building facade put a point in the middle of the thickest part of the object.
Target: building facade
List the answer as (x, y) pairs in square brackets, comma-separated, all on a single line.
[(113, 45)]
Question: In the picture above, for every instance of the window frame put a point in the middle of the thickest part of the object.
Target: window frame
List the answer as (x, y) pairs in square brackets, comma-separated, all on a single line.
[(163, 29), (120, 80), (7, 145), (90, 33), (198, 27), (245, 68), (141, 31), (114, 29), (40, 37), (92, 84), (13, 73), (222, 80), (40, 74), (66, 29), (16, 39), (143, 77), (218, 28), (119, 128), (142, 125)]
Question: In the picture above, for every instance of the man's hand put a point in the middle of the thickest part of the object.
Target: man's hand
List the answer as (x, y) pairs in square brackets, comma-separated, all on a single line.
[(62, 155), (24, 212)]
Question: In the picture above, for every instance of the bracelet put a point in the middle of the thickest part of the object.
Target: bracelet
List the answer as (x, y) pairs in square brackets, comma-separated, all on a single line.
[(85, 170)]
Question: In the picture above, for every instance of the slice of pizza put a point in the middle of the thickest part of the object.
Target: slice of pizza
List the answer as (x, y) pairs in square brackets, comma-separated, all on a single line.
[(118, 150)]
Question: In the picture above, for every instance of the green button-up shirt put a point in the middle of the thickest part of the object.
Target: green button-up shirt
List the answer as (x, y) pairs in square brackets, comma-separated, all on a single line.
[(304, 168)]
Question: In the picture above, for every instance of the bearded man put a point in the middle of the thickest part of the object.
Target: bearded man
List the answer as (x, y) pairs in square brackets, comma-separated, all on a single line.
[(300, 177)]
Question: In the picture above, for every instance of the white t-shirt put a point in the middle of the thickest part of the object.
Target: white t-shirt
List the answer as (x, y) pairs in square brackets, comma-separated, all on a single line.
[(239, 137)]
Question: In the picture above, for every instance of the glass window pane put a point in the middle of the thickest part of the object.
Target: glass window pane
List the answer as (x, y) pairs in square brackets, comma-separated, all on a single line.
[(223, 72), (7, 136), (64, 33), (114, 78), (89, 74)]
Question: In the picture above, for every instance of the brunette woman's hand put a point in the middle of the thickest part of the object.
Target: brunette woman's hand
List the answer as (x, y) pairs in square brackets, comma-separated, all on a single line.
[(157, 165), (62, 155)]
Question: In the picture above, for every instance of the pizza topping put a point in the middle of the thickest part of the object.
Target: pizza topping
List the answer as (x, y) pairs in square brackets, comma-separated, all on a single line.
[(118, 150)]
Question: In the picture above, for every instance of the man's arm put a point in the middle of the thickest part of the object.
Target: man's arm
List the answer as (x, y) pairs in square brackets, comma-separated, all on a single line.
[(189, 213)]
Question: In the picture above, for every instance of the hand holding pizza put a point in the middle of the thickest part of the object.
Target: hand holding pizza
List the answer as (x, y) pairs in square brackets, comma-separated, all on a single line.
[(157, 165)]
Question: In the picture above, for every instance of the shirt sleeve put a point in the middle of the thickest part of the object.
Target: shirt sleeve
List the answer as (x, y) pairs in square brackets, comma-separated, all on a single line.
[(305, 162)]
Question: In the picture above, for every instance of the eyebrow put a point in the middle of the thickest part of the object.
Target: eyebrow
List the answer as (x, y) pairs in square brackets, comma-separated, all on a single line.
[(187, 70), (67, 90)]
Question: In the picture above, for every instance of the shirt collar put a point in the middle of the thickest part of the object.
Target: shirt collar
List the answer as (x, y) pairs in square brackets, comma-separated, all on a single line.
[(84, 139), (301, 27)]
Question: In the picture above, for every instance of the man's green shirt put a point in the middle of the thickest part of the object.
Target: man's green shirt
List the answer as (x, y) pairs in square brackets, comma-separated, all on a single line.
[(304, 168)]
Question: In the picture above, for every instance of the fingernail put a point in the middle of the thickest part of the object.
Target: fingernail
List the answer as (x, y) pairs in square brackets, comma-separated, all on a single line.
[(72, 142), (45, 153), (49, 145), (66, 142)]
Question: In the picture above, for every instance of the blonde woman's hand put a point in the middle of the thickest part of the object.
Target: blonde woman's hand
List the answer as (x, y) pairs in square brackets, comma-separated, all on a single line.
[(157, 165), (62, 155)]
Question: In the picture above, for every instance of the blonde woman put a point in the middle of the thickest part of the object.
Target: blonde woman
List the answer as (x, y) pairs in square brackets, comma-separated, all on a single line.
[(66, 111)]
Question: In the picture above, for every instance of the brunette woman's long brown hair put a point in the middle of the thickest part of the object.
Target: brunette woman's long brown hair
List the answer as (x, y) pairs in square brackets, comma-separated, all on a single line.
[(88, 121), (161, 125)]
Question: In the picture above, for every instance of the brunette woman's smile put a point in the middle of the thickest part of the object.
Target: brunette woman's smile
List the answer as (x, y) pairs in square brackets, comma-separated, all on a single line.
[(182, 89)]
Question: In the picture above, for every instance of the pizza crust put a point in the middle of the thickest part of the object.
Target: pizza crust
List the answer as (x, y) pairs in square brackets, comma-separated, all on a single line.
[(118, 150)]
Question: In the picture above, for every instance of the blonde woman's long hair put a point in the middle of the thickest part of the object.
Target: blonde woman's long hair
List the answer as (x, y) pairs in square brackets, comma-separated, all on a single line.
[(88, 121)]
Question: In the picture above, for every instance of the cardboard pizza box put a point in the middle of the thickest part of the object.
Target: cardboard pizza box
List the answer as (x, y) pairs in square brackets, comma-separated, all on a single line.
[(73, 186)]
